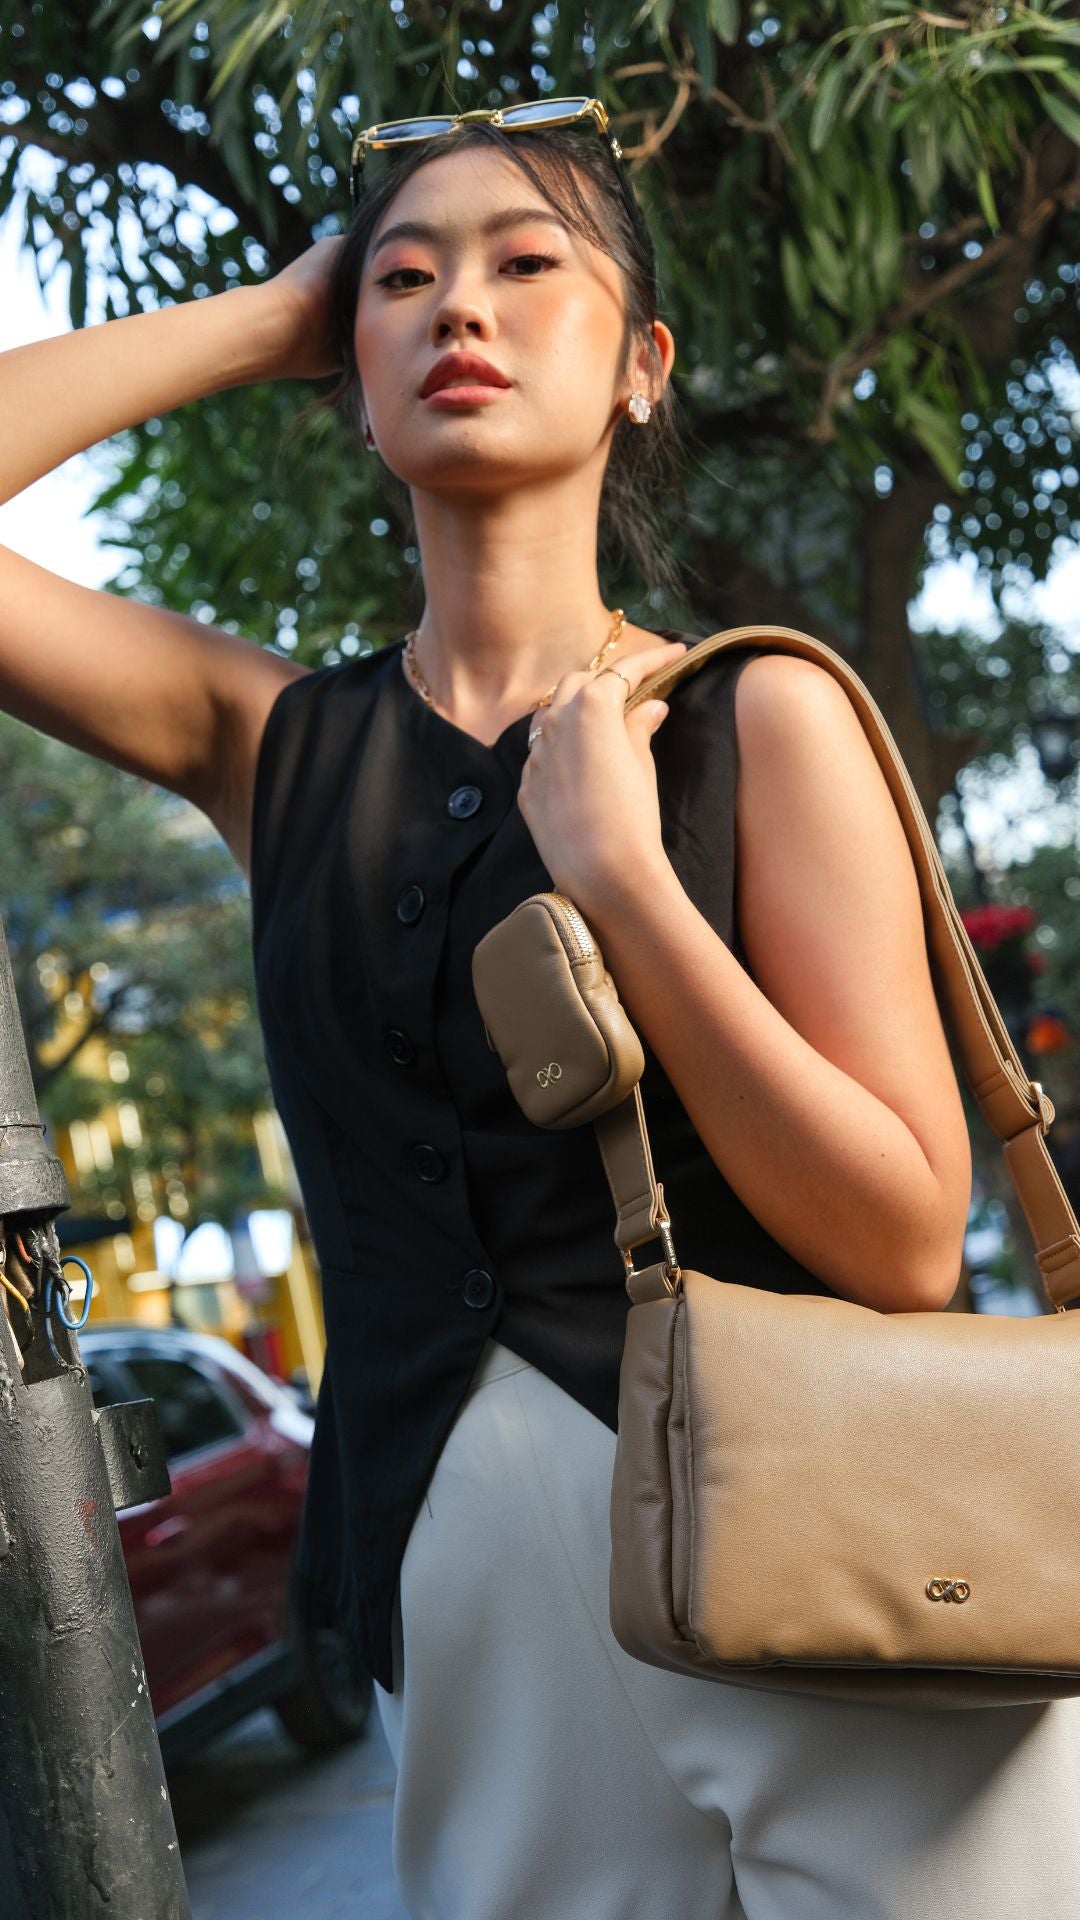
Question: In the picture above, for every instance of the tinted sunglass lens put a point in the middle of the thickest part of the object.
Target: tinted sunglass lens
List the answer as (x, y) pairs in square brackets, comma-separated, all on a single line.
[(412, 129), (389, 133), (536, 112)]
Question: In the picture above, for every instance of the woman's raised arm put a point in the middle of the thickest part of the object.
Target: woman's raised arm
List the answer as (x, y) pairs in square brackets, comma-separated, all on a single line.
[(158, 693)]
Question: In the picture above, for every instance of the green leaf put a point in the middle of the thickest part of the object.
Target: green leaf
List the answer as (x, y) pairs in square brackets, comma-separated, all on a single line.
[(793, 274), (827, 269), (264, 24), (1066, 116), (885, 255), (861, 89), (657, 12), (827, 105), (923, 144), (985, 190), (936, 432), (699, 22), (803, 77), (725, 16), (881, 101), (968, 353)]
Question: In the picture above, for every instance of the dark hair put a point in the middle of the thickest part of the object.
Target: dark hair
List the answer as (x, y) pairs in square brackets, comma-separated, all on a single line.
[(571, 170)]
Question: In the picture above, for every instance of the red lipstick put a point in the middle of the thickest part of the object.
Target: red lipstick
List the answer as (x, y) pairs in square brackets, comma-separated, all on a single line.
[(462, 380)]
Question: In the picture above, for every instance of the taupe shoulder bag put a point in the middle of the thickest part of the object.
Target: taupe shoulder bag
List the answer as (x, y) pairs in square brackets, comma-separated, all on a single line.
[(809, 1494)]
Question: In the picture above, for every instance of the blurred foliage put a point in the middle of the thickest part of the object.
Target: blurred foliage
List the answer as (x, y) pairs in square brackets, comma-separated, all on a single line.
[(128, 926), (868, 225), (1049, 883), (867, 221)]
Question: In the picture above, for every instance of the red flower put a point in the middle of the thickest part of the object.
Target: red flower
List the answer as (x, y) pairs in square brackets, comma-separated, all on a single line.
[(989, 927)]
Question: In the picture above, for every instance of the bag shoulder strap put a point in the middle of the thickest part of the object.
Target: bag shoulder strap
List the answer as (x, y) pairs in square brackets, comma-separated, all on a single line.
[(1013, 1105)]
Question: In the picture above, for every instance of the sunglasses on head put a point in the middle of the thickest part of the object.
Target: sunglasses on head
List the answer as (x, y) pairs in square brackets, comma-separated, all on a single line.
[(528, 117)]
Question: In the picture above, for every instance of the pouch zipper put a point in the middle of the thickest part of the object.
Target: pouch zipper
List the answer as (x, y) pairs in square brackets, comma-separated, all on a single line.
[(571, 928)]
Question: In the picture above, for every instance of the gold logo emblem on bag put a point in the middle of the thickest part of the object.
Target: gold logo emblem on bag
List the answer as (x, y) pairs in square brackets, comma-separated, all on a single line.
[(551, 1072), (947, 1590)]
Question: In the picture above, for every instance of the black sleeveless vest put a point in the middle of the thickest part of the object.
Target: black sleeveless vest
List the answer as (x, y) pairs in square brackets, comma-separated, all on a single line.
[(386, 842)]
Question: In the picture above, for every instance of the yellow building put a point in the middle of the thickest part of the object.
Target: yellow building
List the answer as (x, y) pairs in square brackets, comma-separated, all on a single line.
[(275, 1316)]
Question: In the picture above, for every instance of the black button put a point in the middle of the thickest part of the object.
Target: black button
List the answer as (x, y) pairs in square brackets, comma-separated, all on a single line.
[(428, 1163), (399, 1047), (411, 905), (464, 802), (478, 1288)]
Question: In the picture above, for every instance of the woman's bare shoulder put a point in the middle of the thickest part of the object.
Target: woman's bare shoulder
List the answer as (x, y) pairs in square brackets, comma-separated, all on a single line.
[(828, 901)]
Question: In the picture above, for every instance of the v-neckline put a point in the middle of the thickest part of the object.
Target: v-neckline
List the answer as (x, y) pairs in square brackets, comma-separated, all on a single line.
[(430, 714)]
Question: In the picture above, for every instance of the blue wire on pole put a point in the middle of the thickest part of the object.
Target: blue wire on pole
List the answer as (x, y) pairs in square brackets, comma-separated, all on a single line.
[(56, 1301)]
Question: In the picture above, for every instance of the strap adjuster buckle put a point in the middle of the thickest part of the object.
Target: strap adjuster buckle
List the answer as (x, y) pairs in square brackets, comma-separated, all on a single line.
[(1044, 1104), (663, 1232)]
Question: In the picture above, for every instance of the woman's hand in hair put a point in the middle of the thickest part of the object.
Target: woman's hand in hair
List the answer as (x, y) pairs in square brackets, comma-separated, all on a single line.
[(296, 309), (588, 791)]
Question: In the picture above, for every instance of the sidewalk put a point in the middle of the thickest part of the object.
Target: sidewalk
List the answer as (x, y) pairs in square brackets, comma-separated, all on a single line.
[(269, 1834)]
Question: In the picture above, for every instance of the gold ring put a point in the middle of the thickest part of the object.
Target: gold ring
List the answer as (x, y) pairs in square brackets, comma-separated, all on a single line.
[(622, 676)]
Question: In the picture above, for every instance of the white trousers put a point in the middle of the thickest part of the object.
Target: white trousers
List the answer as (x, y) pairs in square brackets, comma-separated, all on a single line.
[(544, 1774)]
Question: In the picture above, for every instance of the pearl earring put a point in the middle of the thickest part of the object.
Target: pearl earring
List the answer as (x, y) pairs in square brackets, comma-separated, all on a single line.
[(638, 407)]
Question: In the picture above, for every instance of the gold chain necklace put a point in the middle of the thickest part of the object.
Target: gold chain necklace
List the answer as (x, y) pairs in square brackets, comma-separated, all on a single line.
[(617, 624)]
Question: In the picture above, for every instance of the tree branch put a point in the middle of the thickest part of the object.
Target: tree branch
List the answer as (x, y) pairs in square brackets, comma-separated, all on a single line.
[(135, 128), (689, 82), (44, 1074), (986, 326)]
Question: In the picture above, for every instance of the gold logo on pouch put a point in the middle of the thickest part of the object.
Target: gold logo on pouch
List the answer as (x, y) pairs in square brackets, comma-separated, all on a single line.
[(551, 1072), (947, 1590)]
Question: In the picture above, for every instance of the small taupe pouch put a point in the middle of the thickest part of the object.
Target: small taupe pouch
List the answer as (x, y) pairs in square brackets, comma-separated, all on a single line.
[(551, 1013)]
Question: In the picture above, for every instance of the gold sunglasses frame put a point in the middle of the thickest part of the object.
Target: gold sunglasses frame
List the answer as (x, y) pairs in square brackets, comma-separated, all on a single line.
[(374, 137)]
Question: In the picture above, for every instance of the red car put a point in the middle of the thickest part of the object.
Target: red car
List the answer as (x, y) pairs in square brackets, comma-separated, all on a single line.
[(210, 1565)]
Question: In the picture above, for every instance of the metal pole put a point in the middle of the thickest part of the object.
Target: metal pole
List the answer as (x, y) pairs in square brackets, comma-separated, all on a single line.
[(86, 1827)]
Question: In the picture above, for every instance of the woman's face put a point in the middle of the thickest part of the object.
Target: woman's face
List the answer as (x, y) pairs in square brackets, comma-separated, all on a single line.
[(469, 258)]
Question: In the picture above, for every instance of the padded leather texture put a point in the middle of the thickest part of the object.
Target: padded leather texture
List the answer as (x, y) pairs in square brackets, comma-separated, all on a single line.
[(792, 1473), (555, 1020)]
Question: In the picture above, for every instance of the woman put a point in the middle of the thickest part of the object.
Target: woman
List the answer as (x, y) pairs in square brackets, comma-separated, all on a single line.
[(738, 855)]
